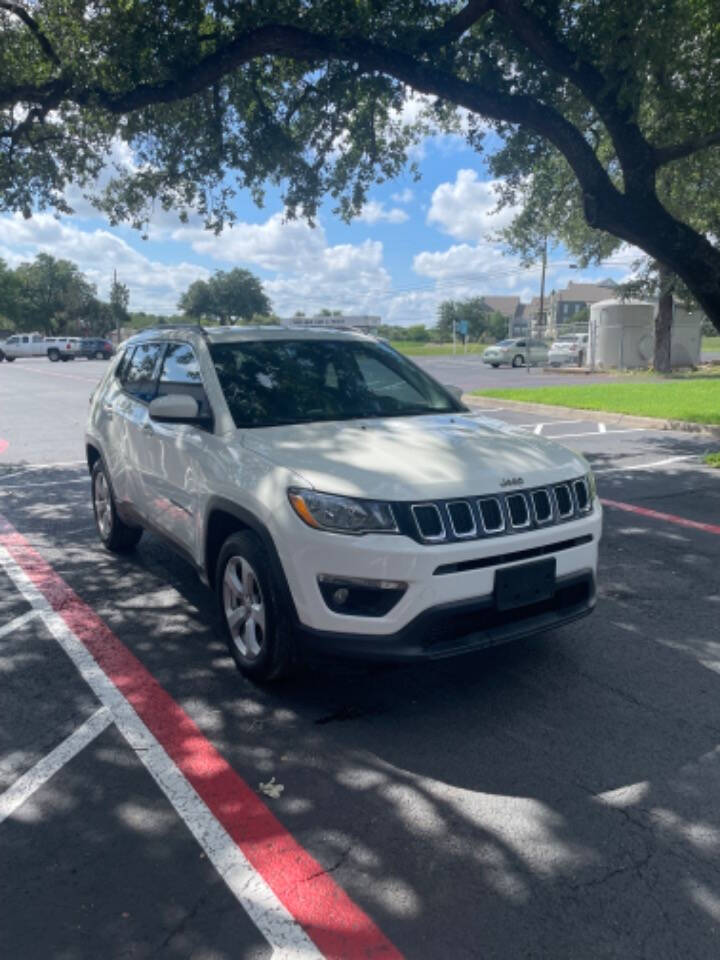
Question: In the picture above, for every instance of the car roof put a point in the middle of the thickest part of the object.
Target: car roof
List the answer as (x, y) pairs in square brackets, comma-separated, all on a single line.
[(246, 333)]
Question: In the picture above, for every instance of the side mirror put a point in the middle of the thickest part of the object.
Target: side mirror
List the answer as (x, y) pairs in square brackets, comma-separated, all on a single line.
[(175, 408), (456, 392)]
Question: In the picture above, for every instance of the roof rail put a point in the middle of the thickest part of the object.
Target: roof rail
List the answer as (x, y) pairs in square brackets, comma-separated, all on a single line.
[(166, 327)]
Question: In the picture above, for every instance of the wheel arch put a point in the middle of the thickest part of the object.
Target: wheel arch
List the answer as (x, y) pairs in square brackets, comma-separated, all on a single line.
[(92, 455), (225, 518)]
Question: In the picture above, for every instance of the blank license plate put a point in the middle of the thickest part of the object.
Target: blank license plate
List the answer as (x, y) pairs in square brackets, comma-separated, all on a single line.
[(526, 584)]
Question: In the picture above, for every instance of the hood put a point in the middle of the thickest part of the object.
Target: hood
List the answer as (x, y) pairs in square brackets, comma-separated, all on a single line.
[(411, 458)]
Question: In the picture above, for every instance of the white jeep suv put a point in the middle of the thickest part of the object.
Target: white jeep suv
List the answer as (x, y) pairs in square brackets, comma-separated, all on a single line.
[(336, 497)]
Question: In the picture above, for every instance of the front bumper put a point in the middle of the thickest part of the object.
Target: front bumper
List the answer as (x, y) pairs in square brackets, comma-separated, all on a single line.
[(439, 576), (451, 629)]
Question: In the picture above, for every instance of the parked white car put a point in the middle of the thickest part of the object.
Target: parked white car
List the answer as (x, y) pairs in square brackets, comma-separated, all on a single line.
[(22, 345), (517, 352), (62, 348), (336, 498), (572, 348)]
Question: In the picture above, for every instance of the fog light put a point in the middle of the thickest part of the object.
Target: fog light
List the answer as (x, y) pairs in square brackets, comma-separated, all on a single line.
[(340, 595), (359, 597)]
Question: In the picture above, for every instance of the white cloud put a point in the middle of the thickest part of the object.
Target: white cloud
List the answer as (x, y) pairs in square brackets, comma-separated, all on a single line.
[(309, 273), (403, 196), (154, 286), (465, 208), (374, 211)]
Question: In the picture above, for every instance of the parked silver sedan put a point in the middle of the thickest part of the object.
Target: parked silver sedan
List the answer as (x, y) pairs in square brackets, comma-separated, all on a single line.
[(517, 353)]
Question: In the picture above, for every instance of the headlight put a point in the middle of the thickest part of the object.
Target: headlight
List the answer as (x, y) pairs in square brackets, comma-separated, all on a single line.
[(325, 511)]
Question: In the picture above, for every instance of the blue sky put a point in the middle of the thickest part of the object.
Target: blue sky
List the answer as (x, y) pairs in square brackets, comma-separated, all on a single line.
[(416, 244)]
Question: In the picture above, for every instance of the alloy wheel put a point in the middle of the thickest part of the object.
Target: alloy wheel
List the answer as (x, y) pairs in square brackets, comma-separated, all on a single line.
[(103, 505), (244, 607)]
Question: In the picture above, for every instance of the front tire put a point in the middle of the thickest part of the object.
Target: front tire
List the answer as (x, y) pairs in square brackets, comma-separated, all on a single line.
[(10, 359), (258, 631), (517, 360), (99, 355), (117, 536), (494, 365)]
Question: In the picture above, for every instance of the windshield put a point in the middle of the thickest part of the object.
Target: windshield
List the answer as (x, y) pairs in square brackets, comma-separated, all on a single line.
[(504, 343), (271, 382)]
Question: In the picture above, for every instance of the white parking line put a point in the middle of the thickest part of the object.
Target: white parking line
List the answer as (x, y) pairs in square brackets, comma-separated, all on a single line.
[(17, 623), (44, 769), (602, 428), (594, 433), (648, 466), (288, 940)]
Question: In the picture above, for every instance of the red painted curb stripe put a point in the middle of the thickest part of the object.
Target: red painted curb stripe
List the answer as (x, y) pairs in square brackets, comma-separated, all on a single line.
[(339, 928), (657, 515), (4, 444)]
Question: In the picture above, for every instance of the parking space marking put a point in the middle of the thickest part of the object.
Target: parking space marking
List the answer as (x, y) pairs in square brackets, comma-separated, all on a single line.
[(648, 466), (596, 433), (24, 787), (293, 901), (538, 429), (17, 623), (658, 515)]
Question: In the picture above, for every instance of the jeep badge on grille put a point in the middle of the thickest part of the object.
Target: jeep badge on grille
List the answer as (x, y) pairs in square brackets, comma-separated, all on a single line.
[(512, 482)]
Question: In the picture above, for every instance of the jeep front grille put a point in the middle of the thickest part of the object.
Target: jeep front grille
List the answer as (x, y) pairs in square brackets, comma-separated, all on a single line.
[(501, 514)]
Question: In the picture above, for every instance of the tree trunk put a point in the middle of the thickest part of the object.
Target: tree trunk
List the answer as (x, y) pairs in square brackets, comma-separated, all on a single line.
[(663, 322)]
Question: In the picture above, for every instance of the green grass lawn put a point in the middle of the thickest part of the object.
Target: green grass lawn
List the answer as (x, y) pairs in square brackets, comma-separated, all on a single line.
[(414, 349), (713, 459), (711, 343), (696, 400)]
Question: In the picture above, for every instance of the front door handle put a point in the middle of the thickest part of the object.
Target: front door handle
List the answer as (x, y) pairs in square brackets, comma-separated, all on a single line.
[(147, 428)]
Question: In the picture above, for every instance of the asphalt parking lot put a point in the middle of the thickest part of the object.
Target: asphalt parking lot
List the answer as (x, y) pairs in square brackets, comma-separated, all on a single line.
[(550, 799)]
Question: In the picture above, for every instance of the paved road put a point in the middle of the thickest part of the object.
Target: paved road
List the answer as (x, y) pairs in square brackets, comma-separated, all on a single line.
[(554, 799), (470, 373)]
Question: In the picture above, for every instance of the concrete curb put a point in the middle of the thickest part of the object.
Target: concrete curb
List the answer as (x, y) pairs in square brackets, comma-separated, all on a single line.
[(599, 416)]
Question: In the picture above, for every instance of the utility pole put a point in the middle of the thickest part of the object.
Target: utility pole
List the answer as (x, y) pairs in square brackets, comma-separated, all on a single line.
[(542, 295), (117, 315)]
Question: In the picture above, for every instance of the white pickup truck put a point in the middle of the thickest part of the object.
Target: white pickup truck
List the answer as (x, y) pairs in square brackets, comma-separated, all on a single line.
[(36, 345), (23, 345)]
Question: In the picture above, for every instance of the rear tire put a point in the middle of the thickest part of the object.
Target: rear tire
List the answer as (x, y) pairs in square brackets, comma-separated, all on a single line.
[(117, 536), (517, 360), (494, 365), (53, 355), (257, 626)]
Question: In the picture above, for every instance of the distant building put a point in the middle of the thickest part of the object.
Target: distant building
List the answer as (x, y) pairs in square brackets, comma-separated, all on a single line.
[(347, 322), (564, 304), (508, 307)]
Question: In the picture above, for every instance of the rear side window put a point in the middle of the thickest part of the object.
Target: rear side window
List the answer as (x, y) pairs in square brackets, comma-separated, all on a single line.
[(139, 371)]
